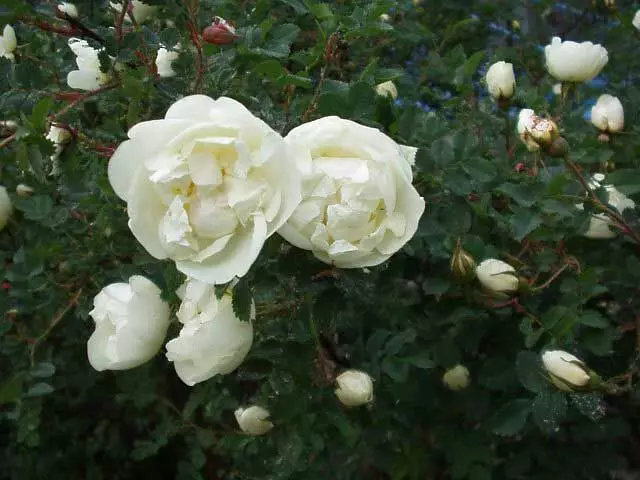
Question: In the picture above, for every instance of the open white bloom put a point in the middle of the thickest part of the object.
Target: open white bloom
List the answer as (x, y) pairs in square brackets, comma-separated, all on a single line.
[(535, 131), (88, 76), (131, 323), (566, 371), (253, 420), (6, 207), (359, 206), (600, 223), (608, 114), (387, 89), (140, 10), (355, 388), (501, 81), (205, 186), (457, 378), (497, 276), (575, 62), (213, 341), (164, 58), (8, 43), (636, 20), (68, 8)]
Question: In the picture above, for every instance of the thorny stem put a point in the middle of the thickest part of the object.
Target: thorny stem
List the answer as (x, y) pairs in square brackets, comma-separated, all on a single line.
[(120, 20), (52, 324), (619, 219), (82, 98), (551, 279), (76, 29), (314, 100), (192, 26)]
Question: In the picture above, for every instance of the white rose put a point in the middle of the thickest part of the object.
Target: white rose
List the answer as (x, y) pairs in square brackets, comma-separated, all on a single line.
[(131, 323), (164, 58), (8, 43), (497, 276), (69, 9), (355, 388), (599, 223), (608, 114), (213, 341), (88, 76), (141, 11), (636, 20), (387, 89), (205, 186), (359, 206), (574, 62), (6, 207), (456, 378), (501, 81), (253, 420), (565, 370)]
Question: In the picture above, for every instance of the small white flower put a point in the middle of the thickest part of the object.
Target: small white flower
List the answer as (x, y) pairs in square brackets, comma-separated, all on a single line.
[(387, 89), (501, 81), (600, 223), (164, 58), (23, 190), (8, 43), (608, 114), (385, 17), (213, 341), (6, 207), (566, 371), (457, 378), (141, 11), (575, 62), (206, 186), (253, 420), (88, 76), (68, 8), (359, 206), (636, 20), (131, 323), (355, 388), (557, 88), (497, 276)]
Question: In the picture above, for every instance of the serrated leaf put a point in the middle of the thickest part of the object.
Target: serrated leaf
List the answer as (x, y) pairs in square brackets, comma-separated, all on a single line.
[(549, 408), (590, 405), (39, 389), (43, 370), (242, 300), (511, 418), (529, 370)]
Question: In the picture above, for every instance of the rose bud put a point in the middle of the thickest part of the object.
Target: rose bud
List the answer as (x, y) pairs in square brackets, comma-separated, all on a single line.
[(220, 32)]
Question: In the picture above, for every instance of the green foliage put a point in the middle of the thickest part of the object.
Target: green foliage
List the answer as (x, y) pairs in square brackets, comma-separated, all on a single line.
[(404, 322)]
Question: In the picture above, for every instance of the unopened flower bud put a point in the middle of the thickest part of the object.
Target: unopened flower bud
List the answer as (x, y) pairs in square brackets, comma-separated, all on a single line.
[(387, 89), (220, 32), (66, 8), (253, 420), (607, 114), (501, 80), (355, 388), (536, 132), (463, 265), (23, 190), (566, 371), (497, 277), (457, 378), (6, 207), (558, 147)]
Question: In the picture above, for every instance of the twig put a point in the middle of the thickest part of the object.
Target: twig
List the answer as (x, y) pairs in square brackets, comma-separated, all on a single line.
[(551, 279), (120, 20), (192, 26), (76, 29), (82, 98), (594, 198), (8, 140), (314, 100), (52, 324)]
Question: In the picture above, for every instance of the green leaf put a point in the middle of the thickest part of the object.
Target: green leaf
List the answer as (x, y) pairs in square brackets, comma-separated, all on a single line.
[(37, 207), (524, 221), (242, 300), (43, 370), (525, 195), (511, 418), (549, 409), (11, 388), (590, 405), (39, 389), (626, 180), (529, 370)]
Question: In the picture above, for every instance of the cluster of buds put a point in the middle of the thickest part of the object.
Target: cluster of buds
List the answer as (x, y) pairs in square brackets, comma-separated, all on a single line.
[(220, 32), (539, 133)]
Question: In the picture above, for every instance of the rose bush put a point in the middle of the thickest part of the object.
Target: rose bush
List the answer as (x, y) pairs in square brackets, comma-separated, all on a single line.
[(335, 243)]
